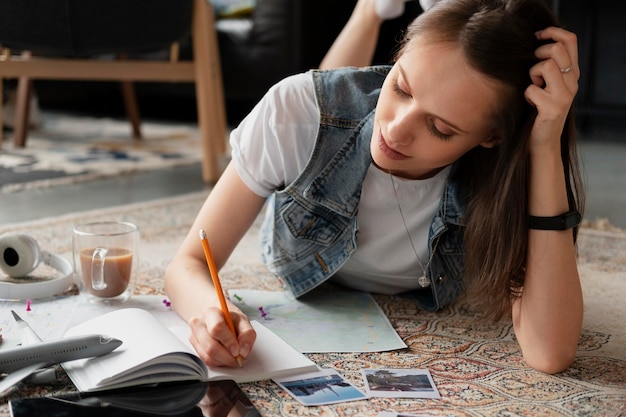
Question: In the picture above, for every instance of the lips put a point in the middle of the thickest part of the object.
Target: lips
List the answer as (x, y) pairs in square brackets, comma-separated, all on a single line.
[(387, 151)]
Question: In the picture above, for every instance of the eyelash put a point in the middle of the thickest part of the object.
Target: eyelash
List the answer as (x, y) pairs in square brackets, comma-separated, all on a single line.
[(437, 132), (431, 125), (399, 91)]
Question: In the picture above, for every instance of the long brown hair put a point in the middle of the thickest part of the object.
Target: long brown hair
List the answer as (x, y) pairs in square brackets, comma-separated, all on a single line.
[(498, 39)]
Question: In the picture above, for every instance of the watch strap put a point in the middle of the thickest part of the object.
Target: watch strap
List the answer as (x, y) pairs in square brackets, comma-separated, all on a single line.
[(561, 222)]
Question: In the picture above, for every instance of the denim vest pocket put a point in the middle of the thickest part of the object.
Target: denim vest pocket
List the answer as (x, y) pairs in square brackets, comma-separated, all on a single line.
[(304, 231), (309, 226)]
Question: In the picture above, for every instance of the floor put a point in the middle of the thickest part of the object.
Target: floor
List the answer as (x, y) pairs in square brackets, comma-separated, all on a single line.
[(603, 155)]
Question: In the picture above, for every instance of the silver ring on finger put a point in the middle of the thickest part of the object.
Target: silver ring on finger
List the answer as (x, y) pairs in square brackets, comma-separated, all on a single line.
[(566, 69)]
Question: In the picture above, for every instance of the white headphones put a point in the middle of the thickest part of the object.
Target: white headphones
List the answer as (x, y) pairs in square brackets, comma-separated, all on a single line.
[(19, 256)]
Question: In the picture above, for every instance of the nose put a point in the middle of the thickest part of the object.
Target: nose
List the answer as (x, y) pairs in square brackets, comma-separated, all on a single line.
[(401, 128)]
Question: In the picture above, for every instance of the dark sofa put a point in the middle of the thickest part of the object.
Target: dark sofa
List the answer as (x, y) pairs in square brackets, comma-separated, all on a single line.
[(280, 38)]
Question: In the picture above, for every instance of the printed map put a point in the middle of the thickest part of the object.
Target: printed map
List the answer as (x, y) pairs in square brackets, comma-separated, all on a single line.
[(338, 321)]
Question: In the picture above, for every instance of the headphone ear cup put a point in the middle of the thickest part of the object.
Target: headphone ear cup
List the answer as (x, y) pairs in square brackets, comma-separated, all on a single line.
[(19, 254)]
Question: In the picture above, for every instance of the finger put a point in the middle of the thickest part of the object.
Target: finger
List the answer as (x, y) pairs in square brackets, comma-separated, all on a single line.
[(213, 339), (223, 333), (244, 331), (559, 54), (552, 100), (547, 74), (246, 335), (567, 38), (535, 95), (212, 354)]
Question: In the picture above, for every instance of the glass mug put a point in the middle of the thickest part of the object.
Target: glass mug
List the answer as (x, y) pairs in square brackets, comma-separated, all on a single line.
[(105, 256)]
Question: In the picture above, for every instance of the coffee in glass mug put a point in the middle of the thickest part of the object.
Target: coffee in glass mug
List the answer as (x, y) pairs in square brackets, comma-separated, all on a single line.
[(105, 256)]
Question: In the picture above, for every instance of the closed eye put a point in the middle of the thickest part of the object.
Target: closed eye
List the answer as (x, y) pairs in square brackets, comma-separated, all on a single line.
[(436, 132), (400, 92)]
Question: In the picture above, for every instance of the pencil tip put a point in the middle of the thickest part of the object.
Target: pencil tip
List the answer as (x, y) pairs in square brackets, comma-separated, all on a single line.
[(240, 361), (202, 234)]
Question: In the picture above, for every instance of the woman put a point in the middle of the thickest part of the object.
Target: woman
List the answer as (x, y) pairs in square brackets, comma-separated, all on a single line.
[(432, 178)]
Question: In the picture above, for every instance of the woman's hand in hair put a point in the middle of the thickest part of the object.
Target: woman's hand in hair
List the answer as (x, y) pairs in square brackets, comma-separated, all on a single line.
[(554, 86)]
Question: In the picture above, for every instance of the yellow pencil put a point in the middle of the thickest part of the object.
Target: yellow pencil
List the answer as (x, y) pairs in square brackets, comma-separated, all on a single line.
[(218, 286)]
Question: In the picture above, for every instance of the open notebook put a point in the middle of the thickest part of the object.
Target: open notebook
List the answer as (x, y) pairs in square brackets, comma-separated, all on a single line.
[(152, 353)]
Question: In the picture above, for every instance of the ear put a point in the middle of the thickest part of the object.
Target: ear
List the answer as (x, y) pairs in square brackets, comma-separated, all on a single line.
[(491, 142)]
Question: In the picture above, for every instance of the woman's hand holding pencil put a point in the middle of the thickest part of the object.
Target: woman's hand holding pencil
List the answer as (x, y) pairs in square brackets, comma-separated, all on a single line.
[(223, 335)]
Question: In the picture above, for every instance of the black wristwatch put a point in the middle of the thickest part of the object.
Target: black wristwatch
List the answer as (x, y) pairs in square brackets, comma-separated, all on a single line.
[(561, 222)]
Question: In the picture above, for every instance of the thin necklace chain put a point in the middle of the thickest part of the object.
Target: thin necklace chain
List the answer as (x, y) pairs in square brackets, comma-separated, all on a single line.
[(423, 280)]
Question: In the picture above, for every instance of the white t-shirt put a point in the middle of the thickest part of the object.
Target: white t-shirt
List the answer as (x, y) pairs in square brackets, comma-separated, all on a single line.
[(273, 144)]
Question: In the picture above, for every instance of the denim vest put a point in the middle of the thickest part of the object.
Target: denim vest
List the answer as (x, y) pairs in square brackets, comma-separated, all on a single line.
[(310, 226)]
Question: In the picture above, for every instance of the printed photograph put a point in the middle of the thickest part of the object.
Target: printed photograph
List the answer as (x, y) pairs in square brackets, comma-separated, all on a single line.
[(319, 388), (400, 383)]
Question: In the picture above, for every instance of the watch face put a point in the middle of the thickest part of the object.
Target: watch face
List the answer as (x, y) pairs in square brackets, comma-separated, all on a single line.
[(572, 219)]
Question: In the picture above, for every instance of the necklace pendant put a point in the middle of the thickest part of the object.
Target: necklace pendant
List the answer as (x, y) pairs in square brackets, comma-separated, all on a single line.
[(423, 281)]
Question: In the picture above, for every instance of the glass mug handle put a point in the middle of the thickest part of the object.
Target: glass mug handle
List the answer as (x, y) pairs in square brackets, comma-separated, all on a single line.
[(97, 269)]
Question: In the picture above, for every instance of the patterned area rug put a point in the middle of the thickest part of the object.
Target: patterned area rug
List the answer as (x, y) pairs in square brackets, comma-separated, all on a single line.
[(477, 368), (69, 149)]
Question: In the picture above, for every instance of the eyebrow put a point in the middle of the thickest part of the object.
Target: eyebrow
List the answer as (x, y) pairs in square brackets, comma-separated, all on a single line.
[(452, 125)]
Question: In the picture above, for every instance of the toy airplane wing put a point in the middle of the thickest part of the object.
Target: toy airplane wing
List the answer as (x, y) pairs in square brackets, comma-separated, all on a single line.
[(28, 337)]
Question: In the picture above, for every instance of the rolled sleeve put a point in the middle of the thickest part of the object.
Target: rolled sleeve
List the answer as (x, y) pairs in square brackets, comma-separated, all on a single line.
[(273, 143)]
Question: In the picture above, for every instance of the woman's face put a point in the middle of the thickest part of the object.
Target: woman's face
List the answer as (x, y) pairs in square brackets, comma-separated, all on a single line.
[(433, 108)]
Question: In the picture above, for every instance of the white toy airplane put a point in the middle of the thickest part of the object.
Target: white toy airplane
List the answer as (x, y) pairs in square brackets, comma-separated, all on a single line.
[(35, 354)]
